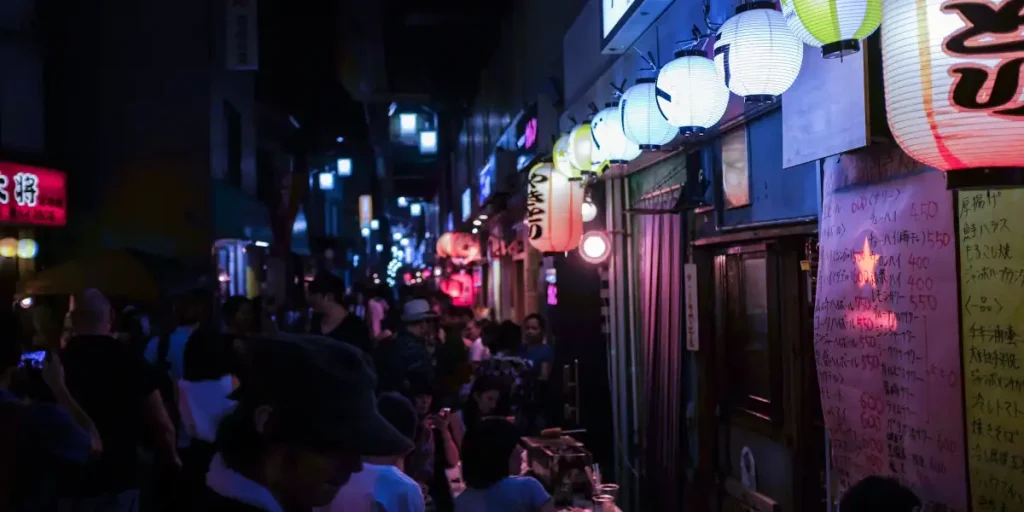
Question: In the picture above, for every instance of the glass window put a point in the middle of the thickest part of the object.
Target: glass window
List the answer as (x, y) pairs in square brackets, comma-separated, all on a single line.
[(754, 346)]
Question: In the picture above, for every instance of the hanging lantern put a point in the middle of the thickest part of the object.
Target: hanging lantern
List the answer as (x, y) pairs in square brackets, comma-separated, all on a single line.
[(465, 248), (588, 210), (560, 155), (835, 26), (27, 248), (642, 121), (952, 82), (595, 247), (610, 141), (581, 145), (9, 247), (756, 55), (690, 94), (444, 245), (553, 210), (460, 288)]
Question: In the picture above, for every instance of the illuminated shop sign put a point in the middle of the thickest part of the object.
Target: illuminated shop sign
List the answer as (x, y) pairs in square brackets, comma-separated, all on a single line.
[(32, 195)]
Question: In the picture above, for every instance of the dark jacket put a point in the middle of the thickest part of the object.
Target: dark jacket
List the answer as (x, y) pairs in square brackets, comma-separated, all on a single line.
[(403, 362)]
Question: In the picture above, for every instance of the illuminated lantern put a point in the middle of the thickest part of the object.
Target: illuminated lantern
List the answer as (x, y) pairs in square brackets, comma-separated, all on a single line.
[(610, 142), (553, 210), (581, 145), (588, 210), (756, 55), (460, 288), (642, 120), (465, 248), (835, 26), (27, 248), (595, 247), (560, 154), (690, 94), (952, 82), (8, 247), (444, 245)]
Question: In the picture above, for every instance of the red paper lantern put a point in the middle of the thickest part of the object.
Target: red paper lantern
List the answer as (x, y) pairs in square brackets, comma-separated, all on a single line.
[(444, 245), (460, 288), (465, 248), (554, 208)]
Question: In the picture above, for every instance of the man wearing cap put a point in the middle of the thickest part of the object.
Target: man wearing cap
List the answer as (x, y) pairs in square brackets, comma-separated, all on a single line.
[(404, 359), (306, 416)]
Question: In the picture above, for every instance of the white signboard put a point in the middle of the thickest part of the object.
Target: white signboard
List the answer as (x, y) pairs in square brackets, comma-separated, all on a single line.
[(612, 12), (690, 305), (242, 45), (624, 21)]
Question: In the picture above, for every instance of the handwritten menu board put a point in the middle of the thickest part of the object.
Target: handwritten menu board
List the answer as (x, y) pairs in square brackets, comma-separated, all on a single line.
[(886, 337), (991, 236)]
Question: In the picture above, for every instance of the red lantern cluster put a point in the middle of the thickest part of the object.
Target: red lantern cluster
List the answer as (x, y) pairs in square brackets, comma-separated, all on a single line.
[(462, 248), (460, 288)]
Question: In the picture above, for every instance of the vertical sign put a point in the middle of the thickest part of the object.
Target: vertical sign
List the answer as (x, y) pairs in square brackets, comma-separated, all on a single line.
[(242, 44), (690, 292), (991, 237), (885, 337), (365, 210)]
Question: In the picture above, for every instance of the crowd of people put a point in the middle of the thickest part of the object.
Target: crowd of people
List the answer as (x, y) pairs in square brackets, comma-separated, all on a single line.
[(371, 404)]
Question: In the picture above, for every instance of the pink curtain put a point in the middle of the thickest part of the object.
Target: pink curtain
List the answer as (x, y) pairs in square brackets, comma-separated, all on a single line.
[(661, 329)]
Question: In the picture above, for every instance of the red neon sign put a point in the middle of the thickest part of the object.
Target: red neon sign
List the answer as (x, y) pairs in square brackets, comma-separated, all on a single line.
[(32, 195)]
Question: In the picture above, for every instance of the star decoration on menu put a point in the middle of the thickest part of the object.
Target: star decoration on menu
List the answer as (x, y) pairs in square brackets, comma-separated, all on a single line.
[(866, 262)]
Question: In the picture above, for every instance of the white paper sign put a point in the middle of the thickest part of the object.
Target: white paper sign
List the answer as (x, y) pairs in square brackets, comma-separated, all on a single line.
[(690, 292), (242, 45)]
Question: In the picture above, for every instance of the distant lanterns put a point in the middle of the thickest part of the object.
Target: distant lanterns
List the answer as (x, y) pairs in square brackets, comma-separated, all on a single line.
[(952, 82), (581, 145), (835, 26), (553, 210), (610, 140), (444, 245), (462, 248), (460, 288), (9, 247), (756, 54), (690, 93), (27, 249), (642, 121)]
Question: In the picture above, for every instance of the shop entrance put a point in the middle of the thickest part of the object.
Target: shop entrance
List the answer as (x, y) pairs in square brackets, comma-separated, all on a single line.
[(760, 399)]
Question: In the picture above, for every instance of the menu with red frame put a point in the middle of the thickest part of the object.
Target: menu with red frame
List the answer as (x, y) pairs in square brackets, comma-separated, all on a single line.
[(32, 195)]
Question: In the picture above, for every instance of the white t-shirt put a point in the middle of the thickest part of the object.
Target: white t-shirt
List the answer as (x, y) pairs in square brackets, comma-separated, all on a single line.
[(513, 494), (478, 351), (378, 489)]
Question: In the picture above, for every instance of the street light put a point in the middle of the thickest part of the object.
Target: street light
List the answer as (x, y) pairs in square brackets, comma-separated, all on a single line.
[(344, 167)]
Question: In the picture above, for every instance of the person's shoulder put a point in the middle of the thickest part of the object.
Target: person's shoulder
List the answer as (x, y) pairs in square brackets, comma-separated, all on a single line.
[(528, 487)]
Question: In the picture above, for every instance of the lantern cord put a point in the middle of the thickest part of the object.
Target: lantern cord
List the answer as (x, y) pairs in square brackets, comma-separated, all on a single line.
[(618, 90), (648, 58), (593, 108)]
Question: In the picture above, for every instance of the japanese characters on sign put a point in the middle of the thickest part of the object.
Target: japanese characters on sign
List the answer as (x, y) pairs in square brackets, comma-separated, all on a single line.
[(885, 337), (991, 236), (690, 291), (32, 195), (242, 49)]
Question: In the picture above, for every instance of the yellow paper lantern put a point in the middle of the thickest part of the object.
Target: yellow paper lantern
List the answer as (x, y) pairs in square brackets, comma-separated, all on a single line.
[(952, 83), (27, 248), (835, 26), (560, 155), (8, 247), (554, 210), (581, 147)]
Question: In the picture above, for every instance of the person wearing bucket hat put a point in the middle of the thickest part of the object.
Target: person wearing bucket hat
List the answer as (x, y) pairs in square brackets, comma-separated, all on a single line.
[(306, 416), (404, 358)]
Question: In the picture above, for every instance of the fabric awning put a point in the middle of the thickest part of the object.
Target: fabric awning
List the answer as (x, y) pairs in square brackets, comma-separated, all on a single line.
[(658, 189)]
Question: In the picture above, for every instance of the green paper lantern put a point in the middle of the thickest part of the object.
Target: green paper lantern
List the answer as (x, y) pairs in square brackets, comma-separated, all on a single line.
[(835, 26)]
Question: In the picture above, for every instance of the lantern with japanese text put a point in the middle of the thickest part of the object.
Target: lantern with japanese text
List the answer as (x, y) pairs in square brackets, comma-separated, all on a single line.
[(756, 54), (444, 245), (610, 141), (642, 120), (690, 93), (465, 248), (953, 81), (835, 26), (554, 206)]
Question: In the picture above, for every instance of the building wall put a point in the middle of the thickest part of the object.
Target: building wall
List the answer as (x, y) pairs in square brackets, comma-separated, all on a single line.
[(21, 83)]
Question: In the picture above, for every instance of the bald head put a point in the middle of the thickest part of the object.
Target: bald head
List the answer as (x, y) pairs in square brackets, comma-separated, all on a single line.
[(91, 313)]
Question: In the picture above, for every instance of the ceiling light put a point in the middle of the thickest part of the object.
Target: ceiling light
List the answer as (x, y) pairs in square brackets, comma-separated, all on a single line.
[(327, 181), (344, 166), (407, 123), (396, 236)]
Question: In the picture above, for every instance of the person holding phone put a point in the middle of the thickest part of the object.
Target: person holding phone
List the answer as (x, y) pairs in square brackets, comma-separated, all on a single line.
[(36, 437)]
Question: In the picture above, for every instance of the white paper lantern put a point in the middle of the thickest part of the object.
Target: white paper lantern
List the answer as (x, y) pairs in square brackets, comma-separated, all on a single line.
[(581, 144), (553, 210), (756, 55), (642, 120), (589, 210), (952, 92), (610, 141), (835, 26), (560, 155), (690, 93)]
